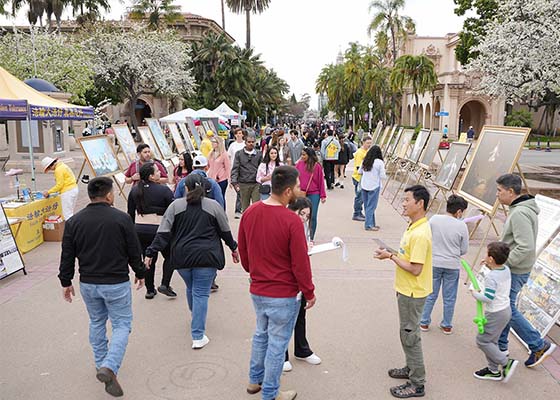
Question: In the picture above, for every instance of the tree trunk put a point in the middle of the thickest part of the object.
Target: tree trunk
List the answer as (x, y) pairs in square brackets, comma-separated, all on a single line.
[(393, 97), (132, 110), (248, 22), (417, 108), (223, 16)]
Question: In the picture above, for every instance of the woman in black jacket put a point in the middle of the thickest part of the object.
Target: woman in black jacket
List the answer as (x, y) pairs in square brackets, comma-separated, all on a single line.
[(344, 156), (194, 230), (147, 202)]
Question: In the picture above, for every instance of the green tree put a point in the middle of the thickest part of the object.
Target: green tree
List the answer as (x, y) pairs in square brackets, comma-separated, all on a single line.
[(415, 72), (520, 118), (248, 7), (157, 11), (474, 28), (89, 10)]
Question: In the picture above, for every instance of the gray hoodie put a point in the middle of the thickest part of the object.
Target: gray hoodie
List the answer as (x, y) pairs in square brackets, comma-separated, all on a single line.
[(520, 233)]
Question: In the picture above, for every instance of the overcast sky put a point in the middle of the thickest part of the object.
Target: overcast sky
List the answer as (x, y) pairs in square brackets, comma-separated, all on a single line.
[(298, 37)]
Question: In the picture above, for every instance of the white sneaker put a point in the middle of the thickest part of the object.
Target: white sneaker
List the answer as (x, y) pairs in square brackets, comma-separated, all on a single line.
[(313, 359), (287, 366), (199, 344)]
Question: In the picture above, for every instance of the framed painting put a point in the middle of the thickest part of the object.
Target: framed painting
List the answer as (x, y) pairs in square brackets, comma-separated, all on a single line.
[(177, 139), (100, 155), (452, 164), (147, 138), (496, 153), (383, 138), (194, 132), (421, 140), (377, 132), (405, 141), (160, 138), (126, 142), (394, 139), (430, 151), (187, 136)]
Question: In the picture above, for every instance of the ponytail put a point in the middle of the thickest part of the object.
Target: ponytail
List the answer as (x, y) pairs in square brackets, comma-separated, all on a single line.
[(194, 183)]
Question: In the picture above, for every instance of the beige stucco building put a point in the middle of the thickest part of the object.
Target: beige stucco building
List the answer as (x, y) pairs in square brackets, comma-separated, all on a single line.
[(453, 94)]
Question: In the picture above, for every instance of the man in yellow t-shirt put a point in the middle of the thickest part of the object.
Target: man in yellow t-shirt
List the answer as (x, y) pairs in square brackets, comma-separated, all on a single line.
[(206, 144), (65, 184), (356, 178), (413, 283)]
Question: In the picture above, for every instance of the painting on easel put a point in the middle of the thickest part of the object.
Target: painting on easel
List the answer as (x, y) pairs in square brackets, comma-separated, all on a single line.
[(100, 155), (497, 153), (430, 150), (403, 145), (160, 138), (187, 137), (148, 139), (419, 145), (452, 164), (126, 142), (179, 144)]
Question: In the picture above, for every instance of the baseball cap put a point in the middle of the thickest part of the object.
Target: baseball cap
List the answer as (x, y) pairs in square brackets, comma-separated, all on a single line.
[(200, 161)]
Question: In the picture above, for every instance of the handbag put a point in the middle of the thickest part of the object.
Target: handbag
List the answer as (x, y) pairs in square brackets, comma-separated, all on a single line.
[(264, 189), (309, 182)]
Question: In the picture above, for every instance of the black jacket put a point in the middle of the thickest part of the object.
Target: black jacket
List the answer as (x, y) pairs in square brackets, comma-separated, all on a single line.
[(156, 199), (194, 232), (245, 167), (104, 241)]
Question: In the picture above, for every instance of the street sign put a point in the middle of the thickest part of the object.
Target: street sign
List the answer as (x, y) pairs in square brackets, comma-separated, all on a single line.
[(442, 114)]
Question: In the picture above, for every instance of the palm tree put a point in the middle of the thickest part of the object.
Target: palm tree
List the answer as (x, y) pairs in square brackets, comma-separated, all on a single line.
[(157, 10), (35, 12), (55, 7), (248, 7), (88, 10), (416, 72)]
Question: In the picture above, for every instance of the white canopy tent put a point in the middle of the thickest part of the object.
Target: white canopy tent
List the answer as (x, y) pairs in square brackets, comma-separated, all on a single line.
[(207, 114), (226, 111), (180, 116)]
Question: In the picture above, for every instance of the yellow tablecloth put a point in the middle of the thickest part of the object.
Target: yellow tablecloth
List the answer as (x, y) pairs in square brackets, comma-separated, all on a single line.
[(30, 234)]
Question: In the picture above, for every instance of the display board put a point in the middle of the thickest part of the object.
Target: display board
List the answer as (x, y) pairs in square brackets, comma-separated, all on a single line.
[(377, 132), (452, 164), (147, 138), (160, 138), (497, 152), (187, 136), (387, 141), (100, 155), (10, 257), (539, 300), (382, 138), (394, 141), (421, 140), (549, 220), (430, 151), (126, 142), (194, 132), (404, 143), (179, 144)]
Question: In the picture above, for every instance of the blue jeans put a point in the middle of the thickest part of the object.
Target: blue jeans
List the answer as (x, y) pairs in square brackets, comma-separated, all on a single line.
[(448, 279), (112, 302), (358, 203), (370, 199), (315, 200), (518, 322), (276, 318), (198, 281)]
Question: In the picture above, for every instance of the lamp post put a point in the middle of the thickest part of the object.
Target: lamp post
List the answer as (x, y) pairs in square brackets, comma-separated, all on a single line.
[(370, 105), (344, 120), (275, 120), (266, 115), (353, 119), (239, 105)]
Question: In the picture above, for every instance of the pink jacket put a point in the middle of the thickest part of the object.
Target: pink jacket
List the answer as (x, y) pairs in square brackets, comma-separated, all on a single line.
[(219, 168), (317, 185)]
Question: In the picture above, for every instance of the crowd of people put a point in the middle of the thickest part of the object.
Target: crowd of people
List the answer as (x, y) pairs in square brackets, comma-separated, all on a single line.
[(281, 183)]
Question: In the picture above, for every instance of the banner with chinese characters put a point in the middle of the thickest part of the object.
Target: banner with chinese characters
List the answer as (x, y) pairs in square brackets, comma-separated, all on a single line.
[(51, 113), (13, 109)]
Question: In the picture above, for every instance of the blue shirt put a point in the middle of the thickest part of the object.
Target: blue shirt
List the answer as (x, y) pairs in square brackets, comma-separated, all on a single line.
[(216, 190)]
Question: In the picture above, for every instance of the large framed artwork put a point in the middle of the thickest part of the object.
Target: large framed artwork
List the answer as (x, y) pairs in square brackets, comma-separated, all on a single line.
[(421, 140), (100, 155), (452, 164), (497, 152), (404, 143), (393, 141), (382, 138), (147, 138), (194, 131), (377, 132), (160, 138), (126, 142), (187, 137), (430, 151), (179, 144)]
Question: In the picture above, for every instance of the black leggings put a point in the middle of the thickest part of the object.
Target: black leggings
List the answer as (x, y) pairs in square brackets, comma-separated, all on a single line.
[(146, 234), (301, 346)]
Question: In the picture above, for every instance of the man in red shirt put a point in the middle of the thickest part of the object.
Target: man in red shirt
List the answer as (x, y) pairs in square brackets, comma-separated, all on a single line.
[(132, 173), (279, 268)]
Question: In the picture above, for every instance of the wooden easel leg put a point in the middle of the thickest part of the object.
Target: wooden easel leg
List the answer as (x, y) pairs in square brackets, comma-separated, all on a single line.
[(476, 258), (391, 177), (121, 188), (81, 170), (433, 199), (400, 187), (523, 178)]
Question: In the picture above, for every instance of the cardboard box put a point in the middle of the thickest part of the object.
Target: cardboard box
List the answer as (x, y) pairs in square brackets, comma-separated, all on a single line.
[(53, 231)]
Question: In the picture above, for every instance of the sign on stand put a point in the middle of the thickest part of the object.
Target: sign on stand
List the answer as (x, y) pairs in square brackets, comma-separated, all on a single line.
[(10, 257)]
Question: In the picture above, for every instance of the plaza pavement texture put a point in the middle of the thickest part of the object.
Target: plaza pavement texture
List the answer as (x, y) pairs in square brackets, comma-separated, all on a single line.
[(353, 328)]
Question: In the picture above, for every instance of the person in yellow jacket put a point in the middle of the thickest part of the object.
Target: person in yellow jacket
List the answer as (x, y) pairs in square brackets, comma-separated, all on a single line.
[(206, 145), (65, 184), (356, 178)]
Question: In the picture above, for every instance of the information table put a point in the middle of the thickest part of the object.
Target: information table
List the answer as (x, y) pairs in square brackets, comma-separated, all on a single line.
[(30, 233)]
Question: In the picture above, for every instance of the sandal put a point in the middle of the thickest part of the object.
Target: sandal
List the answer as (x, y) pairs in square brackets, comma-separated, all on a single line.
[(407, 390), (399, 373)]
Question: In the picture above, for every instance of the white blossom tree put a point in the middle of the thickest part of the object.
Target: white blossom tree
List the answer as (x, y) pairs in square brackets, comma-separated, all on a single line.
[(139, 61), (520, 54)]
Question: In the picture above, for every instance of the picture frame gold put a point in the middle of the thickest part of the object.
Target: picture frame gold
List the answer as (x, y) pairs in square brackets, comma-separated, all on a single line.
[(401, 150), (100, 155), (147, 138), (191, 145), (451, 166), (381, 139), (126, 142), (393, 141), (160, 139), (430, 150), (177, 139), (497, 152), (419, 144)]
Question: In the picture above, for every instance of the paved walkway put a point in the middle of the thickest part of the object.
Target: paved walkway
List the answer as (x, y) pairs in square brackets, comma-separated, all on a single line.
[(353, 328)]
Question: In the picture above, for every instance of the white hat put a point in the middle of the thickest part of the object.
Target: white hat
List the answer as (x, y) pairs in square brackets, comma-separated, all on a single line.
[(47, 162), (200, 161)]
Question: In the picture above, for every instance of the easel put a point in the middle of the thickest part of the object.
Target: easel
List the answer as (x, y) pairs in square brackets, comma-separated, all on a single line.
[(114, 176)]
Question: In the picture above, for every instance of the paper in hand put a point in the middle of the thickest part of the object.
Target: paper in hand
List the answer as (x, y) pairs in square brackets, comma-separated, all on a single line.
[(384, 245)]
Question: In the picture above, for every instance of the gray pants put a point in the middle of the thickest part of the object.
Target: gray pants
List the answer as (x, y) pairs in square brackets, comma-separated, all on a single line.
[(249, 193), (488, 341), (410, 312)]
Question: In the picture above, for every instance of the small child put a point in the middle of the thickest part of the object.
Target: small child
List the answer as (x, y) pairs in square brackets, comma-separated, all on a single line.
[(497, 285)]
